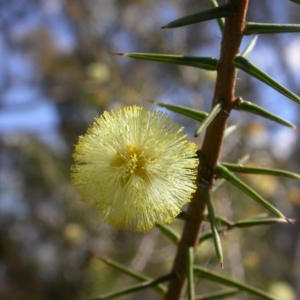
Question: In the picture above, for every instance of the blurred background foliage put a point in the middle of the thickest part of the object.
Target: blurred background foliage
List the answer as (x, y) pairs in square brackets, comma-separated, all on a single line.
[(57, 73)]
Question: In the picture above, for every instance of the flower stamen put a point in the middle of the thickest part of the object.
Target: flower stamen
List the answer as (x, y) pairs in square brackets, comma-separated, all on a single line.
[(137, 166)]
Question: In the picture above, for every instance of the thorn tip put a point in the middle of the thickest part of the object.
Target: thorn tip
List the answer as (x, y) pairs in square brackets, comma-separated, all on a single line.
[(114, 53)]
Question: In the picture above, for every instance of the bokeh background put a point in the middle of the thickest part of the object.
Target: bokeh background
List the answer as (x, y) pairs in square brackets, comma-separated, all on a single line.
[(57, 72)]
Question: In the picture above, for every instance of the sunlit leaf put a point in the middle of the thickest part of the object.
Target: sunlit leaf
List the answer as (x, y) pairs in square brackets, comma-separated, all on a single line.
[(262, 171), (222, 11), (183, 110), (249, 47), (224, 280), (206, 63), (260, 28), (243, 64), (217, 108), (226, 174), (257, 110)]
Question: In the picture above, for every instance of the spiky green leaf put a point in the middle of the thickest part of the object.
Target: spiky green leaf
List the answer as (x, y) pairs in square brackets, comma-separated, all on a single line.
[(217, 108), (159, 287), (246, 66), (220, 182), (249, 47), (183, 110), (222, 11), (250, 222), (169, 233), (190, 273), (134, 288), (213, 225), (226, 174), (262, 171), (218, 295), (206, 63), (258, 110), (262, 28), (258, 222), (224, 280)]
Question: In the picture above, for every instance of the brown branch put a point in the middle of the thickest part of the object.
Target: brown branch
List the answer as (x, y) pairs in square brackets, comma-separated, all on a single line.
[(224, 93)]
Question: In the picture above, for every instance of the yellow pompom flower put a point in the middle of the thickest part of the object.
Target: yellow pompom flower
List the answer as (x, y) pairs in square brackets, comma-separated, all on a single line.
[(136, 166)]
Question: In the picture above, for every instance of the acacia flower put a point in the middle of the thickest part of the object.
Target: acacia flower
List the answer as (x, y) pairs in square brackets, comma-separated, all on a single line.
[(136, 166)]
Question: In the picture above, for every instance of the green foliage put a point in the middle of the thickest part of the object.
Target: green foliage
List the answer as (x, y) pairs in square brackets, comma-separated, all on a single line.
[(194, 114), (206, 122), (134, 288), (141, 277), (214, 13), (169, 233), (214, 227), (206, 63), (259, 111), (260, 28), (245, 65), (223, 172), (223, 280), (263, 171), (227, 225), (250, 47), (190, 273)]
